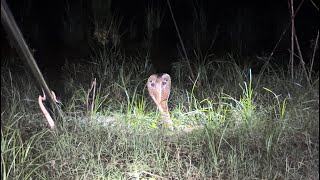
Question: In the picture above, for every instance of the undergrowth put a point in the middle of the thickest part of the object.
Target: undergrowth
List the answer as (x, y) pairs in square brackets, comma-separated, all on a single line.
[(227, 124)]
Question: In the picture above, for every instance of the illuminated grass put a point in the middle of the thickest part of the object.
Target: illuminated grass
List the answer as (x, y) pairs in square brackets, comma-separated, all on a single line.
[(234, 131)]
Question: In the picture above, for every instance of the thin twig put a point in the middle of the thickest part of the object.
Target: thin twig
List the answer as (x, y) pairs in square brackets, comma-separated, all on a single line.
[(181, 42), (94, 83), (93, 87), (301, 60), (313, 54), (275, 47), (292, 37)]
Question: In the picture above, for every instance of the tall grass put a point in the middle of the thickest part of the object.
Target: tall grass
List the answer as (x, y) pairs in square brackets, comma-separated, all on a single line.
[(228, 127)]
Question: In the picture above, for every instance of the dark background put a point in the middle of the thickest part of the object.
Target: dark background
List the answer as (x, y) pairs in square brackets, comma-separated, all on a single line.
[(60, 29)]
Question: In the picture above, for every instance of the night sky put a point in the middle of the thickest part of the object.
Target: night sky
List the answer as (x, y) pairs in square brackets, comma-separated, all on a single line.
[(60, 29)]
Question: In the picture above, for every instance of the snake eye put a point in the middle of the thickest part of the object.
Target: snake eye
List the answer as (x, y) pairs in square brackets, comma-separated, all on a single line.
[(164, 83), (152, 84)]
